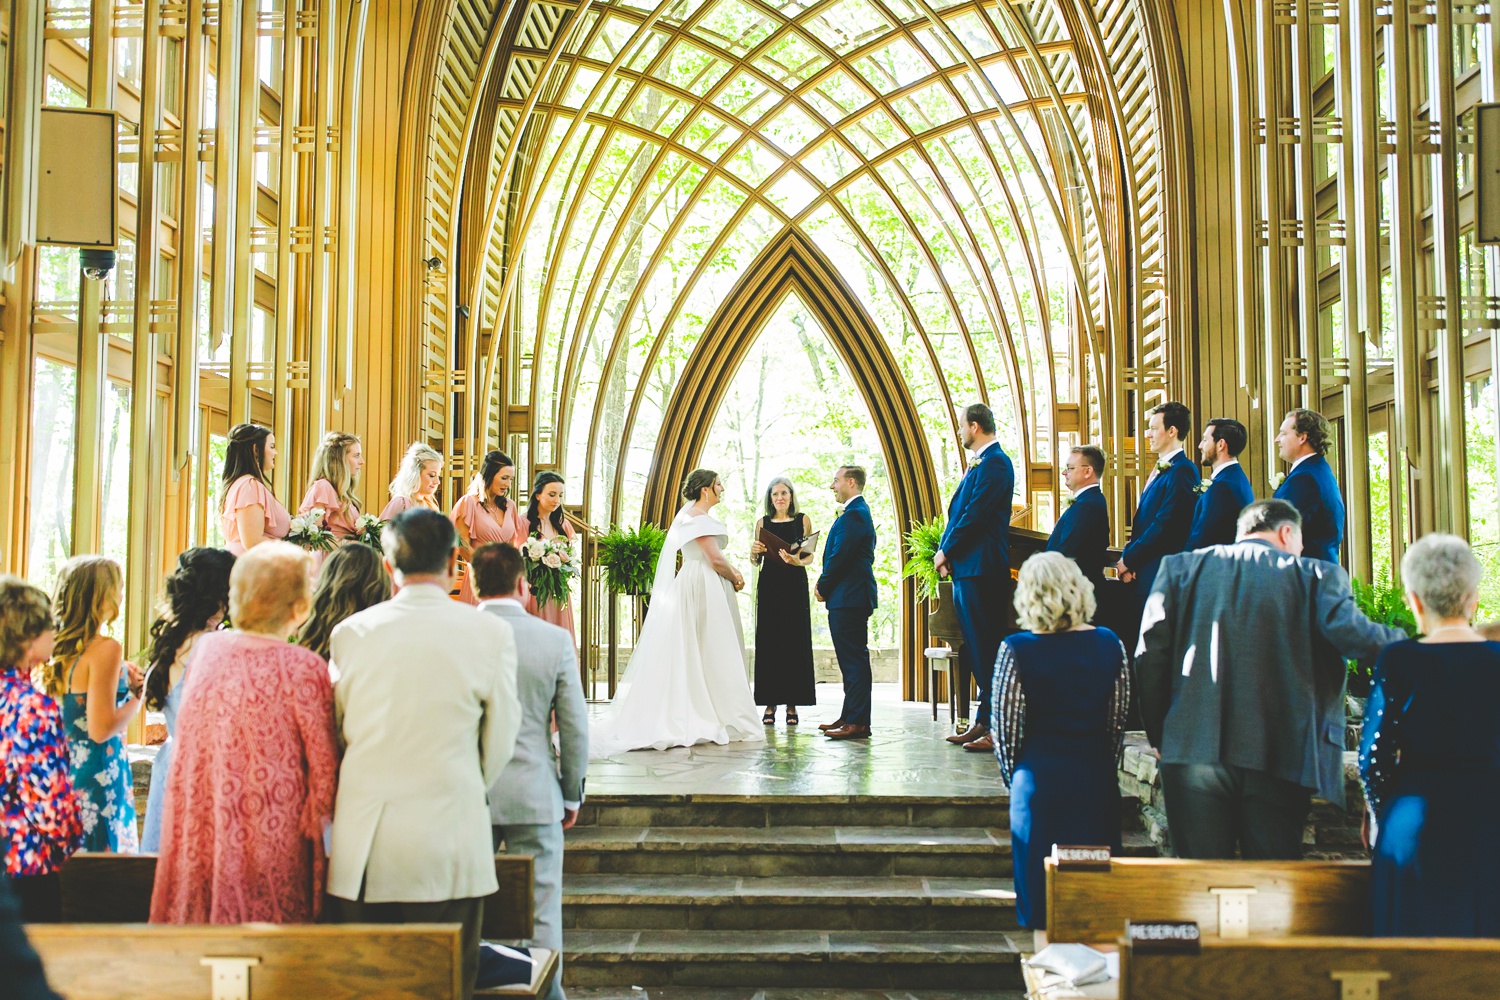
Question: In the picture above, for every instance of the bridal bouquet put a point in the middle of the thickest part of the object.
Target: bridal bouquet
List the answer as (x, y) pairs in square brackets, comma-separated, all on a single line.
[(367, 530), (549, 568), (307, 531)]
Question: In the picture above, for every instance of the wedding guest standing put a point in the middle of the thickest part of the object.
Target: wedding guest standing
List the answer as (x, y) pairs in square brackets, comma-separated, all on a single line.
[(1061, 691), (847, 589), (100, 693), (783, 617), (252, 783), (545, 520), (39, 816), (1082, 533), (1163, 513), (487, 514), (416, 483), (1430, 757), (975, 555), (248, 512), (1228, 491), (197, 601), (352, 579), (1309, 485), (335, 474)]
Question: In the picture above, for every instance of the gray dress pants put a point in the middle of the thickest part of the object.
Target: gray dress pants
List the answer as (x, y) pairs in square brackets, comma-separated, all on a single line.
[(1212, 808), (544, 842)]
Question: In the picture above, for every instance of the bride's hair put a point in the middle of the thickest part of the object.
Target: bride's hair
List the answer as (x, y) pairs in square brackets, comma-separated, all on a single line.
[(697, 481), (791, 508)]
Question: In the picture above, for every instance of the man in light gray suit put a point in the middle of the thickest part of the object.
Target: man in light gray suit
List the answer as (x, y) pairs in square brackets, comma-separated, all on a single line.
[(1240, 670), (535, 800)]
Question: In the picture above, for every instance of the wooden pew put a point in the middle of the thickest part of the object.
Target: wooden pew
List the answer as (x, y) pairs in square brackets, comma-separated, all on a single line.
[(1254, 898), (1316, 968), (251, 961), (116, 889)]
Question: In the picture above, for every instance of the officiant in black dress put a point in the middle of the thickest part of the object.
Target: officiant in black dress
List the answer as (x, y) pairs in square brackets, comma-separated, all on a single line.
[(783, 619)]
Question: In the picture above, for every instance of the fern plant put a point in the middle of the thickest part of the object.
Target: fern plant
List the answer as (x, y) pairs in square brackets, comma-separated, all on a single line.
[(922, 543), (1384, 603), (629, 557)]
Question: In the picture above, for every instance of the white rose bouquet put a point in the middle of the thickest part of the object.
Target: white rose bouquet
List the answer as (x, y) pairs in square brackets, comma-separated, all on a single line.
[(308, 532), (550, 568), (367, 530)]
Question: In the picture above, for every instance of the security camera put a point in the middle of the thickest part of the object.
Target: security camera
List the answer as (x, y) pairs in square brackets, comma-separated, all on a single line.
[(96, 264), (433, 263)]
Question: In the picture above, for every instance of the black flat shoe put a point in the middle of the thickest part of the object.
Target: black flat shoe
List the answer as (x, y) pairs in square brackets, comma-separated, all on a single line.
[(769, 718)]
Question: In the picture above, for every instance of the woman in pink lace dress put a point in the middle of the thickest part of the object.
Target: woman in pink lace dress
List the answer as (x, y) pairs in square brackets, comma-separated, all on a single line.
[(335, 473), (248, 512), (544, 519), (252, 783), (487, 514)]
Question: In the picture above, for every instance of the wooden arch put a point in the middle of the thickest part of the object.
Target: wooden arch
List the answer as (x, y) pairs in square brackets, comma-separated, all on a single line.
[(793, 263)]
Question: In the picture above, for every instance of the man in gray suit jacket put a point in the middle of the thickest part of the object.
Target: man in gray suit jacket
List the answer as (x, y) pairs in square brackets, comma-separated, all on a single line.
[(1240, 670), (534, 802)]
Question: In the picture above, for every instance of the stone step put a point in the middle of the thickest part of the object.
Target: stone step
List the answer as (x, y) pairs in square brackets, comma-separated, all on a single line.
[(754, 993), (700, 903), (830, 851), (764, 811), (862, 960)]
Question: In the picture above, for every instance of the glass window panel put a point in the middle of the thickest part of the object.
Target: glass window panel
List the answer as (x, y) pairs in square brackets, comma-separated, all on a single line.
[(937, 48), (746, 97), (791, 129), (732, 26), (848, 24), (792, 192), (691, 68), (893, 66), (791, 57), (928, 108), (646, 51), (972, 33), (710, 135), (874, 133), (53, 391), (611, 38), (753, 163), (838, 95), (831, 161), (114, 488)]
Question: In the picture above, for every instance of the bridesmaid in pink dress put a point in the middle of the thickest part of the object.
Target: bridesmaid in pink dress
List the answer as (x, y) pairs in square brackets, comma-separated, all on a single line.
[(253, 776), (248, 513), (335, 473), (544, 519), (487, 514), (416, 483)]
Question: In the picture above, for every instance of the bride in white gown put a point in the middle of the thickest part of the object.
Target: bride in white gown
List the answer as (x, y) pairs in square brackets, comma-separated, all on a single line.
[(686, 682)]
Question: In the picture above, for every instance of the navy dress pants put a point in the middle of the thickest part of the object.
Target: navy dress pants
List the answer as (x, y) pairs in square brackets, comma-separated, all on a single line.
[(981, 605), (850, 629)]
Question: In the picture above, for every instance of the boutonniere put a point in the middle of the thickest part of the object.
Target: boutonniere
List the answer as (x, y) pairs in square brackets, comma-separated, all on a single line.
[(1203, 486), (1163, 465), (1277, 478), (974, 461)]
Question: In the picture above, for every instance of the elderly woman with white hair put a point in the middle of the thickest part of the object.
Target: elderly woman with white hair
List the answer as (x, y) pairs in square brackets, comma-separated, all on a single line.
[(1430, 758), (1060, 693)]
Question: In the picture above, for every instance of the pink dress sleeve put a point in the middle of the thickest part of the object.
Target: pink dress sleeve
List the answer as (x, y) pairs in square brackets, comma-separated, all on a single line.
[(247, 491), (397, 506), (339, 518), (463, 516), (312, 710)]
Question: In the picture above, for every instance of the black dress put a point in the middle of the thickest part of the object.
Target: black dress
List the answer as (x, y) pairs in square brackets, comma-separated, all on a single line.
[(783, 627)]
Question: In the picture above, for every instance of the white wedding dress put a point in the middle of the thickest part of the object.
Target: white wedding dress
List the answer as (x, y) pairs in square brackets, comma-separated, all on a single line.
[(686, 682)]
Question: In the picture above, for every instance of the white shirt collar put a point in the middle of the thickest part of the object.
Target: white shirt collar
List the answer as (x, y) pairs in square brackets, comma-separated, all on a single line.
[(1215, 473), (502, 602), (1170, 455), (1302, 459), (1090, 486)]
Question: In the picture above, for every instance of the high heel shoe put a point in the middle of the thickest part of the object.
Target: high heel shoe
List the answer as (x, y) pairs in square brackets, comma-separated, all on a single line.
[(769, 718), (791, 715)]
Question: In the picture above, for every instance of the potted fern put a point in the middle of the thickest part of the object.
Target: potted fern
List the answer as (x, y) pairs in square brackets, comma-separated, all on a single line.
[(629, 556), (1383, 602), (922, 543)]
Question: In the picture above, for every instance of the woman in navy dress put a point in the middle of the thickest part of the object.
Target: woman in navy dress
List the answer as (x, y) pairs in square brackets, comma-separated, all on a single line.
[(1061, 691), (1430, 758)]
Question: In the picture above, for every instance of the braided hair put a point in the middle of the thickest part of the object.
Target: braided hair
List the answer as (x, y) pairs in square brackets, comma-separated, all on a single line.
[(197, 590)]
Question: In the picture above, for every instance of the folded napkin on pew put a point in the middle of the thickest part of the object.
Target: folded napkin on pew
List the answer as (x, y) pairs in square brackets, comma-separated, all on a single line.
[(1065, 968)]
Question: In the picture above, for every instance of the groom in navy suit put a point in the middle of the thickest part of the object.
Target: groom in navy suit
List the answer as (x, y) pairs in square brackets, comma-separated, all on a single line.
[(975, 553), (1164, 514), (1216, 517), (847, 589), (1310, 487), (1082, 533)]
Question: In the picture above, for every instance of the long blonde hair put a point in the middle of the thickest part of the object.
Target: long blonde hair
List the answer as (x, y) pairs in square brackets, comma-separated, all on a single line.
[(410, 474), (88, 595), (331, 462)]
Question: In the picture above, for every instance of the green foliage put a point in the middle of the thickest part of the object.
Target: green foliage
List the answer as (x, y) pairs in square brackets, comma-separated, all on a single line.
[(629, 557), (1384, 603), (922, 543)]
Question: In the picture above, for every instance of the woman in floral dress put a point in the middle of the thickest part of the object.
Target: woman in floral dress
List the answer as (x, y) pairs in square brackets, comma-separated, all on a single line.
[(100, 692), (39, 824)]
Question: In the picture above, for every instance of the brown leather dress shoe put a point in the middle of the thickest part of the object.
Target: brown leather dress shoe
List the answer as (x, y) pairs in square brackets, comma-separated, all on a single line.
[(849, 733), (982, 745), (969, 735), (828, 726)]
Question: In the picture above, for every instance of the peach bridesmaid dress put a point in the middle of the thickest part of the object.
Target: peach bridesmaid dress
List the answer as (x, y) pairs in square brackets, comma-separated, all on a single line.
[(483, 523)]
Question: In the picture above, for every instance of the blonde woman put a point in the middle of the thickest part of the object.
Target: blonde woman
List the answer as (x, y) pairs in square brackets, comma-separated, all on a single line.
[(416, 483), (1061, 690), (335, 473), (99, 692)]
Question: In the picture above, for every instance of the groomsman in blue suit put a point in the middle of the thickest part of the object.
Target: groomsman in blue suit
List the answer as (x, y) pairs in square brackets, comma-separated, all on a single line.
[(1310, 487), (975, 553), (1082, 533), (1228, 490), (1164, 513), (847, 589)]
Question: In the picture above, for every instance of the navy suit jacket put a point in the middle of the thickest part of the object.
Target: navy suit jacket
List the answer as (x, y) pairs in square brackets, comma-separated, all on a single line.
[(1082, 534), (1218, 511), (1311, 488), (848, 579), (1163, 518), (977, 538)]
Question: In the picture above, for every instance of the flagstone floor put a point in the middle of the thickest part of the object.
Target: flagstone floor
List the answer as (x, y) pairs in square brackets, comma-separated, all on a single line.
[(906, 755)]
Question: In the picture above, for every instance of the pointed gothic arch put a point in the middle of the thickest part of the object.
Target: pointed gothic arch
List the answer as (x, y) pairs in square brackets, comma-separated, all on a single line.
[(792, 263)]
